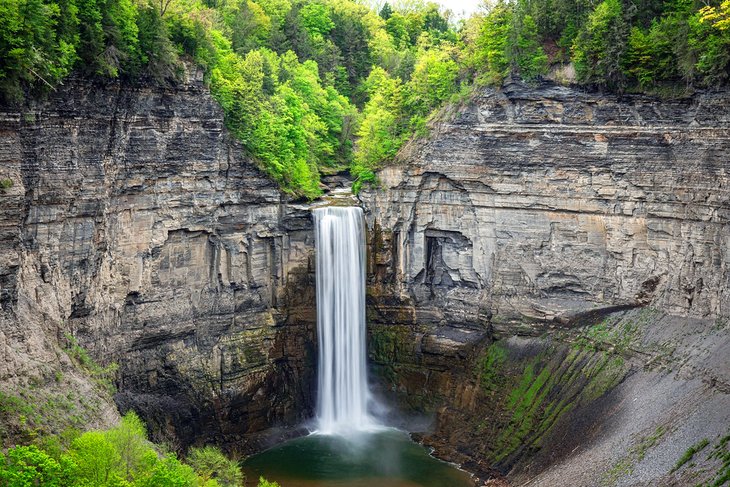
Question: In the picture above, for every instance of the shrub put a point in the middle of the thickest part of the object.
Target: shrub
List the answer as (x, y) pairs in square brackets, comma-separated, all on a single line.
[(28, 466), (210, 464), (6, 184)]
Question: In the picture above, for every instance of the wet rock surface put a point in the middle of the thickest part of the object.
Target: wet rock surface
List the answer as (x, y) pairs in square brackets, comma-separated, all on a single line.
[(136, 224)]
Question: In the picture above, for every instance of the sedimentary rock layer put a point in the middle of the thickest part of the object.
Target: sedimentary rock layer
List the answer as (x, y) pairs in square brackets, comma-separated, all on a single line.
[(507, 252), (136, 224), (538, 204)]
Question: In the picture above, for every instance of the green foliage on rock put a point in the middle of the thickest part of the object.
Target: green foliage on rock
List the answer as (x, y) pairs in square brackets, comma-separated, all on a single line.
[(6, 184), (529, 388), (721, 453), (689, 454), (103, 375), (490, 373), (265, 483)]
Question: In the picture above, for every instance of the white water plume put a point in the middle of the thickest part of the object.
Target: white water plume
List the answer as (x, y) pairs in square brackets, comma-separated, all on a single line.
[(342, 403)]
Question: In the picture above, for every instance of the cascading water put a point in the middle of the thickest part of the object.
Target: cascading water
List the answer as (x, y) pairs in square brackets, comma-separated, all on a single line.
[(338, 454), (342, 404)]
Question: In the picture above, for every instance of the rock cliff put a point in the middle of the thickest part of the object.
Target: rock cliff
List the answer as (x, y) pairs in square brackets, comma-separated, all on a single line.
[(137, 225), (549, 274), (540, 218), (534, 205)]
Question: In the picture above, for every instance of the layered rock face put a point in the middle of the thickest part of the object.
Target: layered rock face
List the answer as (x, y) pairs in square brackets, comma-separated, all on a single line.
[(548, 213), (136, 224), (537, 204), (546, 264)]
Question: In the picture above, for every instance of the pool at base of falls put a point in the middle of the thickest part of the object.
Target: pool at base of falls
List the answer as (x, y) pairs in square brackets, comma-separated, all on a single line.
[(387, 458)]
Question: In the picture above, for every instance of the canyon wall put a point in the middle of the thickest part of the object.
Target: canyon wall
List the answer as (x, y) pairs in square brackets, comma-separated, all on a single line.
[(535, 205), (135, 224), (511, 255), (549, 275)]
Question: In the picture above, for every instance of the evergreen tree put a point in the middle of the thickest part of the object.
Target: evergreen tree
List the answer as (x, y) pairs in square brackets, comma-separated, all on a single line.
[(599, 47), (525, 53), (386, 11), (157, 53)]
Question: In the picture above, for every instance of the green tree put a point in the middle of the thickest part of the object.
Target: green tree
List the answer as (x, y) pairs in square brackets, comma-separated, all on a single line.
[(129, 439), (26, 466), (118, 457), (170, 472), (526, 54), (397, 27), (98, 462), (276, 9), (386, 11), (433, 82), (718, 16), (433, 20), (330, 108), (712, 47), (599, 47), (31, 55), (351, 34), (315, 18), (380, 134), (121, 53), (283, 138), (650, 57), (91, 36), (157, 52), (238, 85), (211, 464), (188, 34), (249, 25), (493, 44), (415, 24)]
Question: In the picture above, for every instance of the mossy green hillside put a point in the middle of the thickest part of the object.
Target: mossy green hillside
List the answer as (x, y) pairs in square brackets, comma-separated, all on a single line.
[(530, 390), (530, 385), (392, 353), (625, 466), (721, 453), (58, 400)]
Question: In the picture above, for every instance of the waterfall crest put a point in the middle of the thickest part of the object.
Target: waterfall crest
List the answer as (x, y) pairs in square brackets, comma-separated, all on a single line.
[(342, 403)]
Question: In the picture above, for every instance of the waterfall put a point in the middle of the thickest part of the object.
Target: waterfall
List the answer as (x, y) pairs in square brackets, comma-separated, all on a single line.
[(342, 403)]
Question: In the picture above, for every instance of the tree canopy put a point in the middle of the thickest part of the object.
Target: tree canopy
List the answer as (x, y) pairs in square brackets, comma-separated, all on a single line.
[(315, 86), (118, 457)]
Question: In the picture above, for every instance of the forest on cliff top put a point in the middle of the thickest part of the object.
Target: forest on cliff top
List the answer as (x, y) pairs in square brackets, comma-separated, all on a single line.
[(316, 86)]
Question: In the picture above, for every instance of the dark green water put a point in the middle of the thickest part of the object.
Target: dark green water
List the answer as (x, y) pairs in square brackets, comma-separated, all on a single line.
[(383, 459)]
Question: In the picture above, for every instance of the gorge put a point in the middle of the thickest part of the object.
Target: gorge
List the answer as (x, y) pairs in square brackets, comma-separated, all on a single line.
[(548, 276)]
